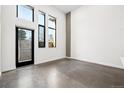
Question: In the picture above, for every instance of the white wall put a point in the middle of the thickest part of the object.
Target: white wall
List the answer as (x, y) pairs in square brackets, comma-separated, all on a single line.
[(9, 21), (98, 34), (0, 40)]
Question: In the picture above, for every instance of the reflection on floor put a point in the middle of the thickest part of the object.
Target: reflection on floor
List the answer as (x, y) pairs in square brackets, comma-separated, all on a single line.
[(64, 73)]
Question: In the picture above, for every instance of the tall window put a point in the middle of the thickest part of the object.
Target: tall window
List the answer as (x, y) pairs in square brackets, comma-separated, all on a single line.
[(25, 12), (41, 29), (51, 32)]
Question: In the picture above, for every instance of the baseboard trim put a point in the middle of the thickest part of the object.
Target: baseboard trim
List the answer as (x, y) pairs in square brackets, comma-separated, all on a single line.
[(47, 61), (7, 70), (95, 63), (68, 57)]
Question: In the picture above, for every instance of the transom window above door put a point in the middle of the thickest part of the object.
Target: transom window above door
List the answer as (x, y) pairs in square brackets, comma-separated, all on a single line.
[(25, 12)]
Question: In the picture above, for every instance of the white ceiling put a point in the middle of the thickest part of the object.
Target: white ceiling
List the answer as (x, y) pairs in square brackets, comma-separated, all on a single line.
[(66, 8)]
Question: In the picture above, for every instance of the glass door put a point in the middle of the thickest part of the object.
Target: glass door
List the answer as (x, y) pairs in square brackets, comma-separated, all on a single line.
[(24, 46)]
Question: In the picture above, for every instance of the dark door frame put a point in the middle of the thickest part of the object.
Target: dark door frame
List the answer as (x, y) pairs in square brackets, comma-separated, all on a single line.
[(26, 62)]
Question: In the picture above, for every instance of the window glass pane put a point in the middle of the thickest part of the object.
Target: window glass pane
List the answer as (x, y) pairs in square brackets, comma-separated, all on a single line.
[(41, 18), (51, 38), (51, 22), (24, 45), (41, 37), (25, 12)]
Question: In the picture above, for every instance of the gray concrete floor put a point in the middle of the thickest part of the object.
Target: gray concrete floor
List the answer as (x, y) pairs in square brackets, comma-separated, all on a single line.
[(64, 73)]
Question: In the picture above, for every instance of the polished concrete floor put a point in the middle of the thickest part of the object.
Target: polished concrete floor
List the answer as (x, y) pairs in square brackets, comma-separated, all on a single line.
[(64, 73)]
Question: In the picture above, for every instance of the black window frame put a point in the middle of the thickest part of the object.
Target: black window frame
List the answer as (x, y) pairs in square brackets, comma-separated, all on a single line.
[(30, 8), (44, 27), (16, 49), (52, 29)]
